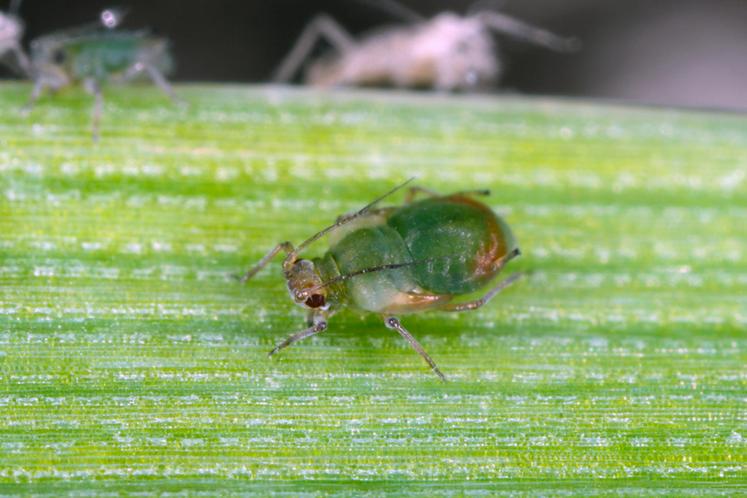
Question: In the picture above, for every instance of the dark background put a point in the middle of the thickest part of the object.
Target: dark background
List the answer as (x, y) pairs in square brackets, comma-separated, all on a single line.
[(669, 52)]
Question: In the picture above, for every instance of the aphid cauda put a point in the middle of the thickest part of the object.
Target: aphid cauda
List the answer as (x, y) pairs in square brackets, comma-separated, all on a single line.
[(423, 255), (447, 52)]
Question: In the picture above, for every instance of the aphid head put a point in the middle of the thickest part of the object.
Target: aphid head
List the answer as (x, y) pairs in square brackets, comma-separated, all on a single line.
[(305, 285)]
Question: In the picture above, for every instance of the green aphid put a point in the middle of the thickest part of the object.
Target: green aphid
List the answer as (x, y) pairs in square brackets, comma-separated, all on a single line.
[(96, 54), (424, 255)]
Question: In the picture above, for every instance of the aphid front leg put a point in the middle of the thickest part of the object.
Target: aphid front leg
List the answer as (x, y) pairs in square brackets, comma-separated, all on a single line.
[(322, 26), (472, 305), (393, 323), (320, 325), (283, 246)]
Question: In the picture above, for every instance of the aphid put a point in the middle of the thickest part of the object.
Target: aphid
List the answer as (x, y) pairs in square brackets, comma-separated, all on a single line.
[(447, 52), (11, 32), (424, 255), (96, 54)]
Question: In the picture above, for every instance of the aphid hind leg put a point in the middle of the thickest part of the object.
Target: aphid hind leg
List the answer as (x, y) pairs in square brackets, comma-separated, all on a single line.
[(393, 323), (322, 26), (161, 82), (472, 305), (319, 326), (283, 246)]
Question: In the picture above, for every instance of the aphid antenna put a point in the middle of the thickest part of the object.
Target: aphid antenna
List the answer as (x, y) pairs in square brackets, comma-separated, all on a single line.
[(109, 19), (293, 255), (15, 7), (396, 9), (347, 276)]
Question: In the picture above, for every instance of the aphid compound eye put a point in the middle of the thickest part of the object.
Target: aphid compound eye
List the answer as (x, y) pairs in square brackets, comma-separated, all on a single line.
[(315, 301)]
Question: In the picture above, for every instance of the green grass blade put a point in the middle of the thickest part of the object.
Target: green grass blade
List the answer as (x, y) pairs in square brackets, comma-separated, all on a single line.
[(131, 361)]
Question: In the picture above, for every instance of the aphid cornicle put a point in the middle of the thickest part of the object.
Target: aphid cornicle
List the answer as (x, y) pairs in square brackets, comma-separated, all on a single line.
[(96, 54), (447, 52), (424, 255)]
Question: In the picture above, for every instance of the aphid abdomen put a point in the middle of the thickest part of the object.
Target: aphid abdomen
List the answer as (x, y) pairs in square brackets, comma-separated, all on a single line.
[(459, 244), (101, 55), (369, 248)]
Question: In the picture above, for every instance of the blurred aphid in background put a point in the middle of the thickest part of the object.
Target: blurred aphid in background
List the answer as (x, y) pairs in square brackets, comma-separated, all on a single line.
[(97, 53), (11, 32), (447, 52)]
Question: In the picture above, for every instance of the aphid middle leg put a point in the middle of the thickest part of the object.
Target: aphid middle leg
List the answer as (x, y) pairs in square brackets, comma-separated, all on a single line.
[(394, 324), (314, 329), (283, 246), (93, 87), (322, 26), (472, 305)]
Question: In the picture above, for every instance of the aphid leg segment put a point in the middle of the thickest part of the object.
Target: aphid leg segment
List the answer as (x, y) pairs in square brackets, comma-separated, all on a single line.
[(22, 60), (321, 26), (283, 246), (39, 87), (394, 324), (161, 82), (156, 77), (413, 192), (93, 87), (503, 24), (293, 255), (397, 9), (319, 326), (471, 305)]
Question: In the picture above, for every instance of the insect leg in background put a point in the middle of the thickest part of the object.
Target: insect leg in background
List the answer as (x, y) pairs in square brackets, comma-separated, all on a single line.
[(321, 27), (514, 28)]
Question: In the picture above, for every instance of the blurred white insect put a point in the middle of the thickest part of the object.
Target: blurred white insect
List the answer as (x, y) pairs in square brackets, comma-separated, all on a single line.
[(449, 52), (11, 32)]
